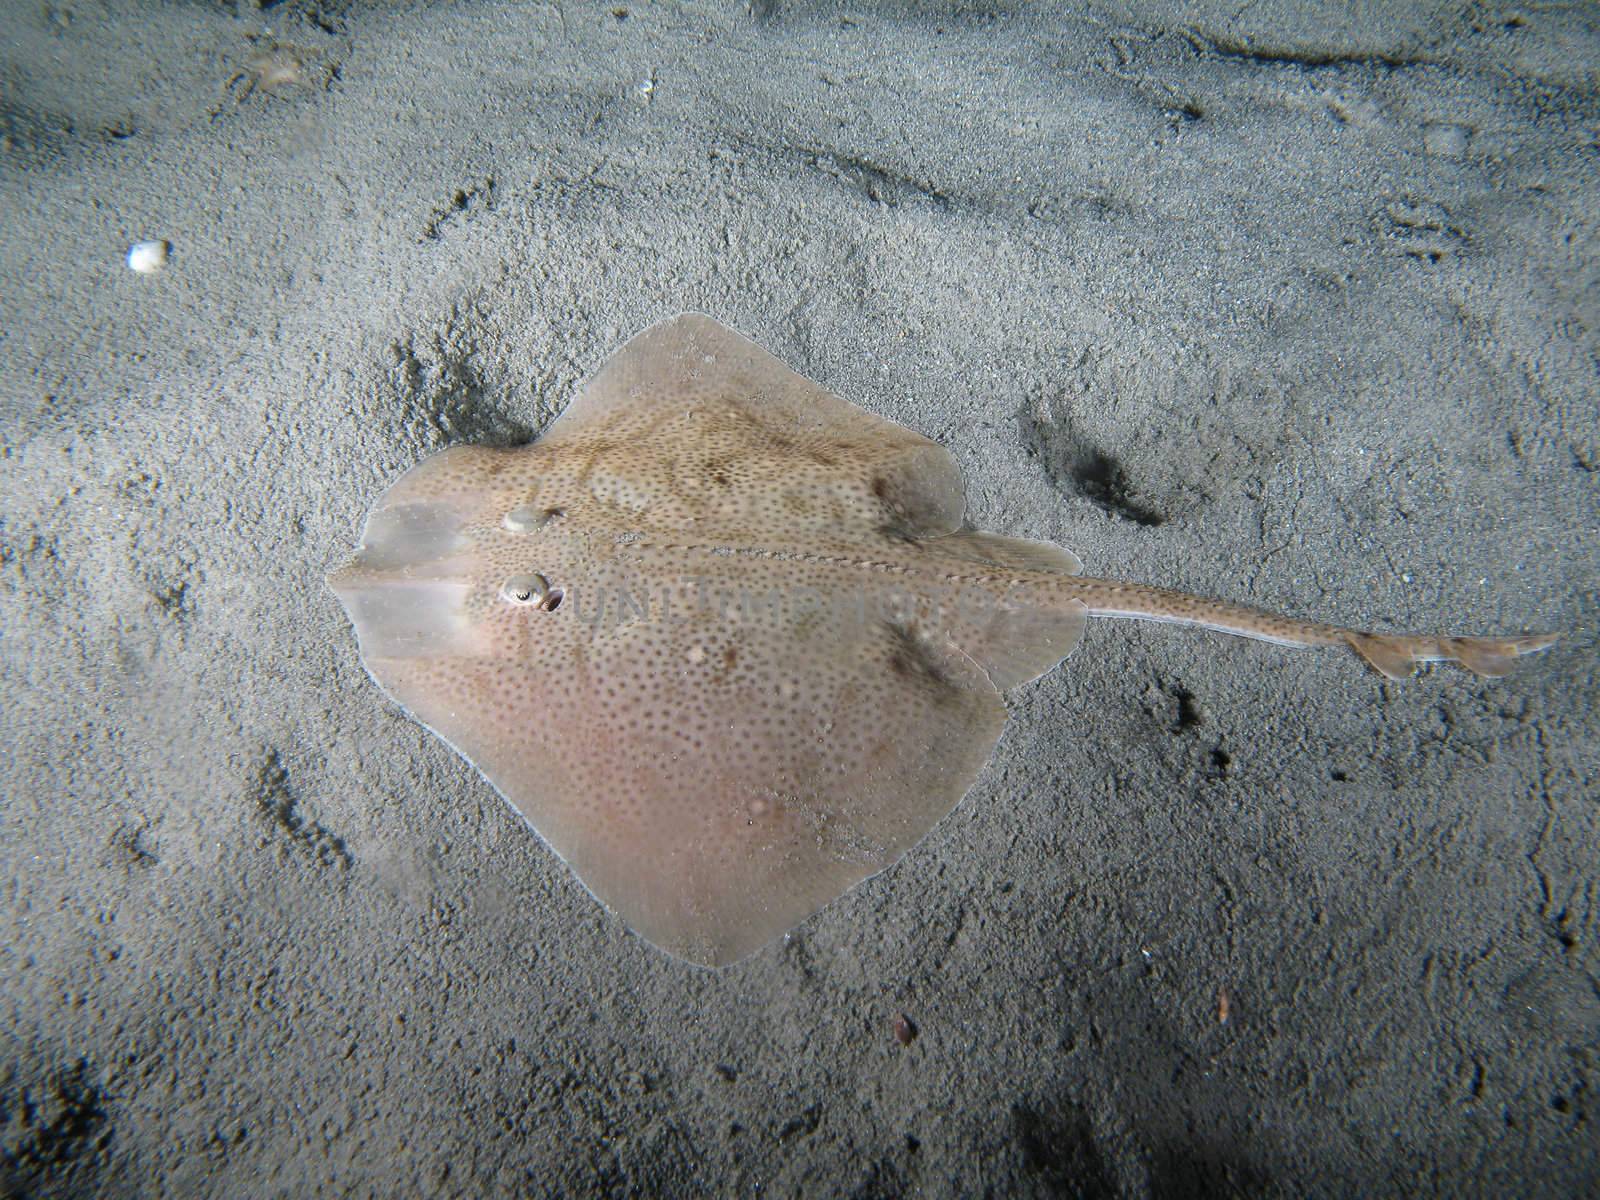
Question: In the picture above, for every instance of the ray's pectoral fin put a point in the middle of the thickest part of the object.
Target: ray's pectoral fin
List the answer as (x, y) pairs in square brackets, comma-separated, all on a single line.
[(720, 805), (692, 412)]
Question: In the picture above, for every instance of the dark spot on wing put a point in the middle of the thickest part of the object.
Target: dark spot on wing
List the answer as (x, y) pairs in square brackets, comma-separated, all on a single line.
[(896, 525), (911, 659)]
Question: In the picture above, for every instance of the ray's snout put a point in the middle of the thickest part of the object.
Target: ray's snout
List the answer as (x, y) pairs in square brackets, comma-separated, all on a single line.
[(407, 586)]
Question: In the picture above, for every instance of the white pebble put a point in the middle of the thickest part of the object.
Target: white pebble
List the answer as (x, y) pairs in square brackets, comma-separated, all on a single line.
[(147, 257)]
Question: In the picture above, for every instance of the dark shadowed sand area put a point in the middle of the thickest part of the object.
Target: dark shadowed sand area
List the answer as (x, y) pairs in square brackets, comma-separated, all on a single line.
[(1295, 304)]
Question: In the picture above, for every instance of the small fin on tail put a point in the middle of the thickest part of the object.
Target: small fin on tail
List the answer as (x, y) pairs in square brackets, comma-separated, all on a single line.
[(1396, 657)]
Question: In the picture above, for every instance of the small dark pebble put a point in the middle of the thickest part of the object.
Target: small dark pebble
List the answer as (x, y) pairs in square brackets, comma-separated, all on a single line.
[(905, 1029)]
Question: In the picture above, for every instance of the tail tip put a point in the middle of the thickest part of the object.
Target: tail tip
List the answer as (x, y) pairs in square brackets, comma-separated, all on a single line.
[(1398, 657)]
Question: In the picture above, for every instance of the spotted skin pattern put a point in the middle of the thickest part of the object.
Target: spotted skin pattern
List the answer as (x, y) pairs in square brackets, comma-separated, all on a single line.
[(722, 638)]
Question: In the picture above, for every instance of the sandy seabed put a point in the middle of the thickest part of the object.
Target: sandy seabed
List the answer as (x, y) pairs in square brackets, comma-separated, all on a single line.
[(1293, 304)]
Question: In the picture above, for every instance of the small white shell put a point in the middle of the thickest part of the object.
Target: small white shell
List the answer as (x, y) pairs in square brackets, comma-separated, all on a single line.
[(147, 257)]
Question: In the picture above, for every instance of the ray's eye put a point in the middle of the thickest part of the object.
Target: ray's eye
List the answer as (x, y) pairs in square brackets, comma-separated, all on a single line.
[(526, 589)]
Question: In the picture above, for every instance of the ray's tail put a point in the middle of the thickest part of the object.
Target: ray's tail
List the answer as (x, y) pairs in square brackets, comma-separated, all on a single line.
[(1395, 656)]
